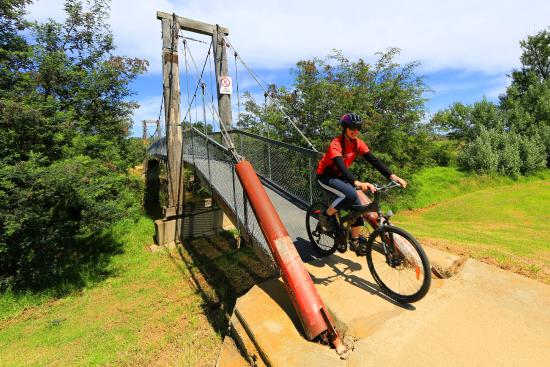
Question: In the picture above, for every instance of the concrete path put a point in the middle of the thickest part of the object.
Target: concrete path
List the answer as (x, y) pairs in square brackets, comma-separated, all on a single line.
[(482, 316)]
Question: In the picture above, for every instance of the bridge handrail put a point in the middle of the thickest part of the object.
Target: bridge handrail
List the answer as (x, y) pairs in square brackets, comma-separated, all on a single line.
[(210, 140), (307, 151)]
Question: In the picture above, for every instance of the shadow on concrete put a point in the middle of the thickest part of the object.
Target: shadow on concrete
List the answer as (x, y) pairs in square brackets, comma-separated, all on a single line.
[(346, 273), (305, 250), (277, 291)]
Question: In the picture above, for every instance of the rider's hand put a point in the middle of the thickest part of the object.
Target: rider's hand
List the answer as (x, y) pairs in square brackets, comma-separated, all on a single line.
[(365, 186), (399, 180)]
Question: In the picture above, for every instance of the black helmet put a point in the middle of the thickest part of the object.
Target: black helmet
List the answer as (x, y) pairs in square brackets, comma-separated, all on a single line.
[(351, 120)]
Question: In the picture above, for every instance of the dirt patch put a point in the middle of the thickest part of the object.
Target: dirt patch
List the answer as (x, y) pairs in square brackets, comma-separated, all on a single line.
[(530, 268)]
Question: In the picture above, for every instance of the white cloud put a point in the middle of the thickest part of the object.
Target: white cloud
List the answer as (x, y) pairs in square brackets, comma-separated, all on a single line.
[(470, 35), (473, 35)]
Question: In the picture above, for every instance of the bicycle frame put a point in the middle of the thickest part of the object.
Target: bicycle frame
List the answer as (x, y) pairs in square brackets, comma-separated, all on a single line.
[(376, 221)]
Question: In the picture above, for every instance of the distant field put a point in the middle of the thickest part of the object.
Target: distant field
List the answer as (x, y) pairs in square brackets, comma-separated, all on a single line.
[(506, 224)]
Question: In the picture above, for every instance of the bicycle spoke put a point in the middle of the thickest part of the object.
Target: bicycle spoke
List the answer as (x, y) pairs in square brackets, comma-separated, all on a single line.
[(403, 273)]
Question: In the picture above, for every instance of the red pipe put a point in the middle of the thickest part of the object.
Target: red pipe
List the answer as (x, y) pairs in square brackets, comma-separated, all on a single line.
[(298, 283)]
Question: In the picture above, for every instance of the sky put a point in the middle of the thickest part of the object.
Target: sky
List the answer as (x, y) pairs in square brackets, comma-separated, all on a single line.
[(466, 48)]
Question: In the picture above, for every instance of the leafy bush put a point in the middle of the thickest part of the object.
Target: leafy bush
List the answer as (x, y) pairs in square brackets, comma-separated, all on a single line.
[(50, 213), (65, 113), (533, 153), (443, 153), (506, 153)]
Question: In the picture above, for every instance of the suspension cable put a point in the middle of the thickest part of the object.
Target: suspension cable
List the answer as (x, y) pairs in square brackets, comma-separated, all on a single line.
[(203, 86), (279, 107), (193, 39), (223, 130), (201, 74), (186, 72), (237, 83), (265, 112), (161, 105)]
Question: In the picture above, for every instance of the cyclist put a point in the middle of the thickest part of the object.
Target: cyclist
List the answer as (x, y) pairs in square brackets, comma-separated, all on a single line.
[(334, 176)]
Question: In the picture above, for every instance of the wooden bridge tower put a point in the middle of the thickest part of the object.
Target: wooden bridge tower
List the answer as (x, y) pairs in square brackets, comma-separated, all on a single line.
[(170, 227)]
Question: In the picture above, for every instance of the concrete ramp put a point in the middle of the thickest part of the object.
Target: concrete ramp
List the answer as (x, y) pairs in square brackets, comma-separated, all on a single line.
[(482, 316)]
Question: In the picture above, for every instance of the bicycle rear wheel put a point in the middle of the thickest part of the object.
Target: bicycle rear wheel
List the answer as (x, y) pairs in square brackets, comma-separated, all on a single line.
[(398, 264), (323, 242)]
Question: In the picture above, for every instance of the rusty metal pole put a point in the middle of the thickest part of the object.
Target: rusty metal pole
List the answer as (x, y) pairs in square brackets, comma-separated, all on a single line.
[(313, 314)]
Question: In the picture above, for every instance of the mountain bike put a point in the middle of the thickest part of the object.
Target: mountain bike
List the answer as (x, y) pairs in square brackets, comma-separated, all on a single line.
[(396, 260)]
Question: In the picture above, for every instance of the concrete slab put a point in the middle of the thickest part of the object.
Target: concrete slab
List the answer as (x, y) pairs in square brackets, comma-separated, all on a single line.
[(244, 342), (267, 315), (445, 263), (230, 355), (351, 294), (482, 316)]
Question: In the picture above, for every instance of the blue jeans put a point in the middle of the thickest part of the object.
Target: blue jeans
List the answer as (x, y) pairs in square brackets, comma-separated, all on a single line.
[(346, 194)]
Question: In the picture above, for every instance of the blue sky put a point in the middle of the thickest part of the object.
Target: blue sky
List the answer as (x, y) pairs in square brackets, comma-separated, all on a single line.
[(466, 48)]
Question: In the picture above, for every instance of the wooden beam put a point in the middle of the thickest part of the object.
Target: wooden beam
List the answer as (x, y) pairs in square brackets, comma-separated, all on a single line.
[(192, 25)]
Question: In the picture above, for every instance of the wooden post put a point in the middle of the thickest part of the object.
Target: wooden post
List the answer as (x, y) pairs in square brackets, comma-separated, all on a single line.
[(146, 123), (144, 132), (171, 89), (171, 24), (220, 57), (220, 67)]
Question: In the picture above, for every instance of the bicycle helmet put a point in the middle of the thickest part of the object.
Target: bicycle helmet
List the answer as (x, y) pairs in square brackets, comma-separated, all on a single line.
[(351, 120)]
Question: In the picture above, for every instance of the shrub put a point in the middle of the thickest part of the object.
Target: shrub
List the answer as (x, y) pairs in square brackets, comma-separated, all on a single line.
[(533, 154), (479, 154), (49, 214), (507, 153)]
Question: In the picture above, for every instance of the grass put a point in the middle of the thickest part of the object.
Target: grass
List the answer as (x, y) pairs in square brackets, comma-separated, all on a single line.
[(436, 184), (164, 308), (494, 219)]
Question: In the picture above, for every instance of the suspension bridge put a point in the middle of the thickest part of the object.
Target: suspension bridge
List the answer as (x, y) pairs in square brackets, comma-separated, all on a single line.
[(267, 204), (224, 165)]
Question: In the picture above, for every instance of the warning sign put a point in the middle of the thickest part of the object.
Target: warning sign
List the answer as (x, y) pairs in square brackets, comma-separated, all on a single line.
[(226, 86)]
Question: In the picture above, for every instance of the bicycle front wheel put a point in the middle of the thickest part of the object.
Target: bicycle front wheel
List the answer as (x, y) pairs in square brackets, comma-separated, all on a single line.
[(398, 264), (323, 242)]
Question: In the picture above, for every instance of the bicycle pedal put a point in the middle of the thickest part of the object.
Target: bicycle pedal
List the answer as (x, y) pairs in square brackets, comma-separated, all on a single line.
[(341, 249)]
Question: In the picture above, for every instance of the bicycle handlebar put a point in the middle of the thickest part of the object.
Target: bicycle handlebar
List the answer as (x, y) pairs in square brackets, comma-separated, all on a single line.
[(390, 185)]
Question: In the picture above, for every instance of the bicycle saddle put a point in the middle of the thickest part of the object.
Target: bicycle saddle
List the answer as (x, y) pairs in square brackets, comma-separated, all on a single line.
[(366, 203)]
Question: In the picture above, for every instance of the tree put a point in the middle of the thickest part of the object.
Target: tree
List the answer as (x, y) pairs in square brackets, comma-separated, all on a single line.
[(518, 126), (13, 46), (72, 86), (64, 123), (77, 67), (387, 95), (464, 122)]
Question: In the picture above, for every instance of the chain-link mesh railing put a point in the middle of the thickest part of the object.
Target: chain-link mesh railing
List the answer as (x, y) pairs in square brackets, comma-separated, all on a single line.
[(216, 165), (288, 168)]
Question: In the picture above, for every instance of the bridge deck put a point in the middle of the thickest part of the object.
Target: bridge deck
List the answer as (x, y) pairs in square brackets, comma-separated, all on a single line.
[(292, 216)]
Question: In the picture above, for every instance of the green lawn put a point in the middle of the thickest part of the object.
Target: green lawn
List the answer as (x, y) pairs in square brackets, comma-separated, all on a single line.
[(166, 309), (506, 224), (437, 184)]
